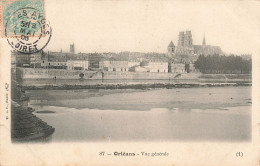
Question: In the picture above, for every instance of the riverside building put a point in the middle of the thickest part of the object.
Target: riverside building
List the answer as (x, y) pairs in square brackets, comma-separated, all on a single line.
[(77, 64)]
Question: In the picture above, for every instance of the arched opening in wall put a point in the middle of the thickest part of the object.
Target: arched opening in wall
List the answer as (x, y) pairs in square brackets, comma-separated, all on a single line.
[(81, 75)]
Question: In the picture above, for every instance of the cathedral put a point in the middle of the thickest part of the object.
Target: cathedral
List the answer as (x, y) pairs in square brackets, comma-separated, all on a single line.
[(186, 48)]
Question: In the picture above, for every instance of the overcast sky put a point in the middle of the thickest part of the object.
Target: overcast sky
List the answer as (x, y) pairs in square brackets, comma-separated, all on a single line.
[(149, 26)]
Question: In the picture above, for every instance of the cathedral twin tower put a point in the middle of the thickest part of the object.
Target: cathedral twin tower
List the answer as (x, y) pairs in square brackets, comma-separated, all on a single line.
[(185, 40)]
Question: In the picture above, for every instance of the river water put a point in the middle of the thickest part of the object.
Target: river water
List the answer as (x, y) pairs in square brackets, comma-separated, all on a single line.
[(181, 114)]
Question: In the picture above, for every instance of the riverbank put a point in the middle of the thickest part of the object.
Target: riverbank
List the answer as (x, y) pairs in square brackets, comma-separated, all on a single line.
[(131, 86), (26, 127), (138, 99)]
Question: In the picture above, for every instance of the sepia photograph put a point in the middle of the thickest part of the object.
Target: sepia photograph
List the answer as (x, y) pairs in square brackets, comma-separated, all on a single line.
[(183, 74)]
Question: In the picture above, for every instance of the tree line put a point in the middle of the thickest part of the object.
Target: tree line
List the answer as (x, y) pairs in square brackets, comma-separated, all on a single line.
[(220, 64)]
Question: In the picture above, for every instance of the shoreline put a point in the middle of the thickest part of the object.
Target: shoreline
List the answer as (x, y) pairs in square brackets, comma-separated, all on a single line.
[(131, 86), (135, 99)]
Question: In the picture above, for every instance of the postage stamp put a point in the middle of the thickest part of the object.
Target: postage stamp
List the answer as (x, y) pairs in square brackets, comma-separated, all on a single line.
[(25, 25), (22, 18)]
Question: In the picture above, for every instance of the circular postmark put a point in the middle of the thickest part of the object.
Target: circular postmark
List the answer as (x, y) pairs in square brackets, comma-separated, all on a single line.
[(27, 31)]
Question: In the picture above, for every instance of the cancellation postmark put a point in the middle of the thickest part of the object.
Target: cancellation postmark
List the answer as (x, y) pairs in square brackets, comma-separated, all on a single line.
[(31, 31)]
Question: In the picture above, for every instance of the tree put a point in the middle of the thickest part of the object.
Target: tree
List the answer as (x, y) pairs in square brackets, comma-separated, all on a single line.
[(223, 64)]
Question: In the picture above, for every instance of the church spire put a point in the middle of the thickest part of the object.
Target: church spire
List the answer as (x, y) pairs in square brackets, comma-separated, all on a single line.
[(204, 41), (171, 44)]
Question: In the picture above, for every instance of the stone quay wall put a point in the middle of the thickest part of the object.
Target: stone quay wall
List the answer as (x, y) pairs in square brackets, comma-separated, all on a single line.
[(38, 73)]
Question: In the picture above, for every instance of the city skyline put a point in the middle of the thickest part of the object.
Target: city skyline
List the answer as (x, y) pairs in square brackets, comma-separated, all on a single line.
[(149, 26)]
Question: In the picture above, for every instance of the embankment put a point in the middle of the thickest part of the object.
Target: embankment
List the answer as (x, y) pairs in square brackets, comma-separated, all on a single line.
[(38, 73), (25, 126)]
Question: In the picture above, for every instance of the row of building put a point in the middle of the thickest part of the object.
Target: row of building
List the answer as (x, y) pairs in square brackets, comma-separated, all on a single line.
[(99, 62), (179, 59)]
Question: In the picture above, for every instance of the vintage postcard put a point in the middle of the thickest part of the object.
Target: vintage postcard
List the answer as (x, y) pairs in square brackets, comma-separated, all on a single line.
[(86, 82)]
